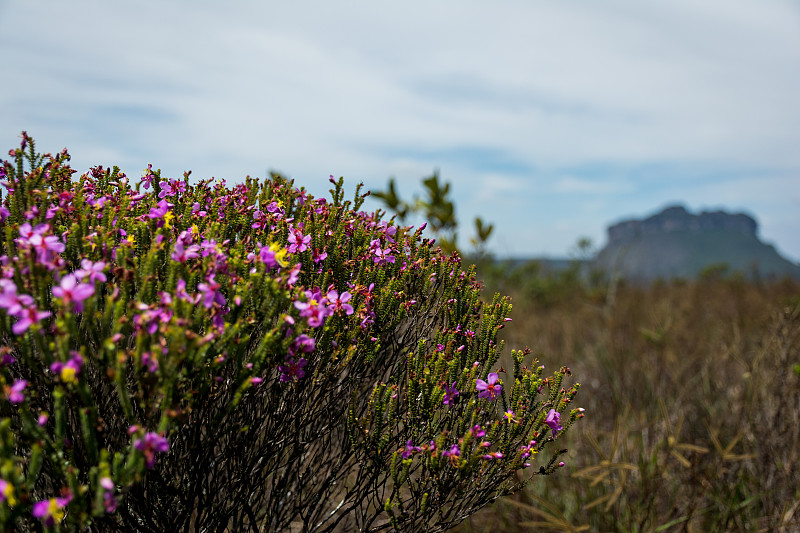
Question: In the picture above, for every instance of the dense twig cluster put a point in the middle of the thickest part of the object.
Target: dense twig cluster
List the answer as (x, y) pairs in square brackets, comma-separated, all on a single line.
[(197, 357)]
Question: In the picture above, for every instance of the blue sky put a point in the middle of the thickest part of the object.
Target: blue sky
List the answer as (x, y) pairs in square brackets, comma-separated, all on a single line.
[(551, 119)]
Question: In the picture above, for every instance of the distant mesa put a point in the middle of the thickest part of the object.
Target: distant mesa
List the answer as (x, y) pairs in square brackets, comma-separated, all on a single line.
[(675, 243)]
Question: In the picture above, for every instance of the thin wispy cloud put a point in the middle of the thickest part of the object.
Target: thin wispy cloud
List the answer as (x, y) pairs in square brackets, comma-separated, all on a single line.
[(578, 113)]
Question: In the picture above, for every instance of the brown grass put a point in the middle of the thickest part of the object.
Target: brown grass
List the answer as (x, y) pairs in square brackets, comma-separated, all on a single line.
[(693, 409)]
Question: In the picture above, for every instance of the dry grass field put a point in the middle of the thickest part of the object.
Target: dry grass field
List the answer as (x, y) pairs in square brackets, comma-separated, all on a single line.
[(692, 397)]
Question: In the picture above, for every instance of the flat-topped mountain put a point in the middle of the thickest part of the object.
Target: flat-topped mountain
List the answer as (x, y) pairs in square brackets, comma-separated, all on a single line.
[(675, 243)]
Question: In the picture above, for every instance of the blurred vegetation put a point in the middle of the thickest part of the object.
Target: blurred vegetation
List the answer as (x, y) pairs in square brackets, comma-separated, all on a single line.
[(438, 209), (692, 404), (691, 390)]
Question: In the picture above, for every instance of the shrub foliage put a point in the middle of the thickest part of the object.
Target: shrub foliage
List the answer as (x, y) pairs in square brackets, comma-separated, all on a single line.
[(196, 357)]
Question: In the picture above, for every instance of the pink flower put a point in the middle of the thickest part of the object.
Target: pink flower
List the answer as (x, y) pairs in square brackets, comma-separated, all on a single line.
[(159, 211), (477, 431), (409, 450), (28, 317), (298, 242), (553, 420), (211, 292), (71, 291), (51, 511), (15, 392), (150, 362), (10, 300), (273, 255), (303, 343), (319, 256), (93, 270), (492, 455), (383, 257), (313, 309), (453, 453), (489, 389), (294, 275), (182, 254), (109, 501), (152, 444), (68, 371), (7, 492), (45, 246), (338, 303), (450, 393), (180, 292), (26, 232), (292, 369), (171, 187)]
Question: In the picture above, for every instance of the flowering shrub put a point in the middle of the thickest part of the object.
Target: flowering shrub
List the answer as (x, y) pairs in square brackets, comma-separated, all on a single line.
[(200, 357)]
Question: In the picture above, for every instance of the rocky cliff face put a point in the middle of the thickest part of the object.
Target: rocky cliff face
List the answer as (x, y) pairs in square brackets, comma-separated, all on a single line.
[(675, 243), (677, 218)]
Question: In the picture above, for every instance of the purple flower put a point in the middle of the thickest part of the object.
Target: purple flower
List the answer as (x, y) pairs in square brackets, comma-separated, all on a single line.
[(28, 317), (208, 246), (152, 444), (182, 254), (6, 357), (150, 362), (109, 501), (525, 451), (292, 369), (171, 187), (10, 300), (72, 291), (51, 511), (93, 270), (450, 392), (211, 292), (492, 455), (303, 343), (383, 257), (477, 431), (409, 450), (14, 393), (489, 389), (159, 211), (388, 231), (453, 453), (45, 244), (313, 309), (338, 303), (553, 420), (197, 211), (180, 292), (298, 242), (27, 232), (319, 256), (7, 492), (68, 371), (273, 255), (294, 275)]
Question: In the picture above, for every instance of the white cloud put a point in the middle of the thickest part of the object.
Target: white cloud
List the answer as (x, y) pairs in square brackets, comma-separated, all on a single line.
[(504, 97)]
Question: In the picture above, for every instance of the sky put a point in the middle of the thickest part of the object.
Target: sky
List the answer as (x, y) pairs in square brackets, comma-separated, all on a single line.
[(551, 120)]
